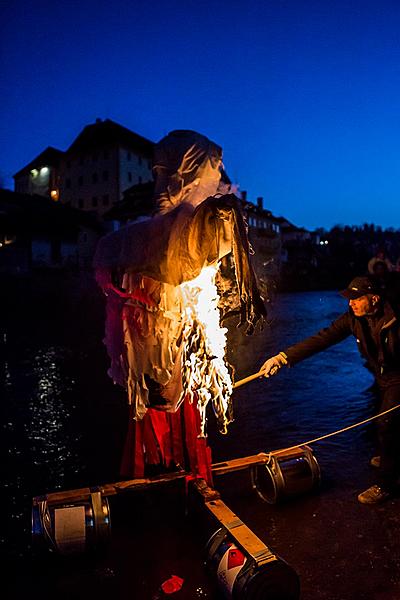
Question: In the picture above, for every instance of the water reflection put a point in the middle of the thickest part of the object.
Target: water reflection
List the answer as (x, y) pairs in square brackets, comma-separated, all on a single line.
[(38, 435), (51, 410)]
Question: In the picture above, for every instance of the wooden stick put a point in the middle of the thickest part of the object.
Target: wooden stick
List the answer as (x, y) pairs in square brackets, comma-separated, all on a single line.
[(247, 379)]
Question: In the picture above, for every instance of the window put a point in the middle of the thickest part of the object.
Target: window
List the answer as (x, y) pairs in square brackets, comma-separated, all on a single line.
[(80, 180), (129, 176), (94, 201), (68, 183), (105, 175), (94, 178), (80, 203), (106, 200)]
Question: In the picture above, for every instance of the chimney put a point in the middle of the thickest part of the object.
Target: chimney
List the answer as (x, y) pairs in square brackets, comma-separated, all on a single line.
[(244, 195), (260, 202)]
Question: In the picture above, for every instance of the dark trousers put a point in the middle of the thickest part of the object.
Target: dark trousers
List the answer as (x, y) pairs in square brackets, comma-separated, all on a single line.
[(389, 436)]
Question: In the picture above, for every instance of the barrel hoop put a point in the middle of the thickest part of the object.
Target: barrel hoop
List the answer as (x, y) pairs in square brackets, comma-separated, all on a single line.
[(101, 526)]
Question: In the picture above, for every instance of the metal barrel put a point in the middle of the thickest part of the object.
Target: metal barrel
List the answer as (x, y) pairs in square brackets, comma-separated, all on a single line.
[(72, 527), (286, 475), (241, 577)]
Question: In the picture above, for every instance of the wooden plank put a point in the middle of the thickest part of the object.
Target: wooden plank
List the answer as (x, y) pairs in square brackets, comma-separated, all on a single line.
[(238, 464), (241, 534), (111, 489), (262, 458)]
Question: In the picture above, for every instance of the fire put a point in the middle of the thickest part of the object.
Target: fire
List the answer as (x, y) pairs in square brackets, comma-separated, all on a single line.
[(205, 372)]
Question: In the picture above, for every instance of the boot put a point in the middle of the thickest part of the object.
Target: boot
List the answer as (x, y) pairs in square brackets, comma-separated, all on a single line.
[(373, 495)]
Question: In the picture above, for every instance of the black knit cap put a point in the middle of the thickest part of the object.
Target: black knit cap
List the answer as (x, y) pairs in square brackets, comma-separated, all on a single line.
[(360, 286)]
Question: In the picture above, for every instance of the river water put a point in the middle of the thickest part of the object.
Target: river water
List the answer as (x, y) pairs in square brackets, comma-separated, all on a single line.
[(63, 425)]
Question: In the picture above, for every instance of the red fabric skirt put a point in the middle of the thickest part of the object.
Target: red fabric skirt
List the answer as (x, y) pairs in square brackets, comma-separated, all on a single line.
[(168, 440)]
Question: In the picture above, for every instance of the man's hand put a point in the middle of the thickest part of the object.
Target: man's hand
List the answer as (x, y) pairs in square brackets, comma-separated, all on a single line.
[(273, 364)]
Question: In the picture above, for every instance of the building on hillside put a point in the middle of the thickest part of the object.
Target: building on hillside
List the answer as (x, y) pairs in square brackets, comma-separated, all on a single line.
[(292, 233), (36, 232), (102, 162), (41, 175), (265, 237)]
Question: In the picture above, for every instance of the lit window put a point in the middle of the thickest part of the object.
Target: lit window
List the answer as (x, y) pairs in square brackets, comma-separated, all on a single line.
[(54, 195), (34, 173), (44, 171)]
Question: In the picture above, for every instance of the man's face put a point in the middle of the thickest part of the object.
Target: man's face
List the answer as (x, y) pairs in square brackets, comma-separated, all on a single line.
[(362, 306)]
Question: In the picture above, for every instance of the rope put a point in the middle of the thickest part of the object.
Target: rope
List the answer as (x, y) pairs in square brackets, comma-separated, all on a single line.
[(328, 435)]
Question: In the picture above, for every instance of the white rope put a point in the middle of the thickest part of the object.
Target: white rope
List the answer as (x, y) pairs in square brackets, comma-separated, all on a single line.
[(328, 435)]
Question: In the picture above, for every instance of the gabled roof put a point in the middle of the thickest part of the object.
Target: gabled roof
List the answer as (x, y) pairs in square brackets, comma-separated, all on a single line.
[(49, 157), (106, 133)]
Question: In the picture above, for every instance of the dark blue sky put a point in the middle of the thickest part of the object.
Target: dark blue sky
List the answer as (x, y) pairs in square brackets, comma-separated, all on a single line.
[(302, 95)]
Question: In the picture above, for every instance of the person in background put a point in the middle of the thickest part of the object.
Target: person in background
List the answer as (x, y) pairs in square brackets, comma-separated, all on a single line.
[(379, 258), (388, 282), (376, 327)]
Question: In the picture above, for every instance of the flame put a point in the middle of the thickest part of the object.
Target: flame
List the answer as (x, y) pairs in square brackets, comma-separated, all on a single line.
[(205, 372)]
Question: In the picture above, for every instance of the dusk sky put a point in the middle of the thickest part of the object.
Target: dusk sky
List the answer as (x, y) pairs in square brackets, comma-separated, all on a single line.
[(303, 95)]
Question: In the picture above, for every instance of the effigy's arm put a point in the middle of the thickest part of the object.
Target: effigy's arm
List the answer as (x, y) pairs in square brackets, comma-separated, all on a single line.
[(217, 228)]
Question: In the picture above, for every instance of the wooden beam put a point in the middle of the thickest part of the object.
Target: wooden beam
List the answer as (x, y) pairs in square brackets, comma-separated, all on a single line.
[(241, 534), (111, 489)]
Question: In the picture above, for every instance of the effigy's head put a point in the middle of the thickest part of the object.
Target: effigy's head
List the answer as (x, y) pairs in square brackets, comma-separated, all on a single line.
[(186, 169)]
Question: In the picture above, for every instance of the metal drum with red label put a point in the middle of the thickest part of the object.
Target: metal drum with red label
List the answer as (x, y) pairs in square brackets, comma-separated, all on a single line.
[(240, 577)]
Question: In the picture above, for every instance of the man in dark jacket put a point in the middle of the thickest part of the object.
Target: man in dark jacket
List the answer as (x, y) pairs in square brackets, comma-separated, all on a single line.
[(376, 328)]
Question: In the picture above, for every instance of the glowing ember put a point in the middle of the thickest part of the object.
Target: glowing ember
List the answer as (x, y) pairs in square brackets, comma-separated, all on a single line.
[(205, 373)]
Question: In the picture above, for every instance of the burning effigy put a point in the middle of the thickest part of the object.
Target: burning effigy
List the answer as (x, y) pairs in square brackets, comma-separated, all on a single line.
[(167, 295)]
